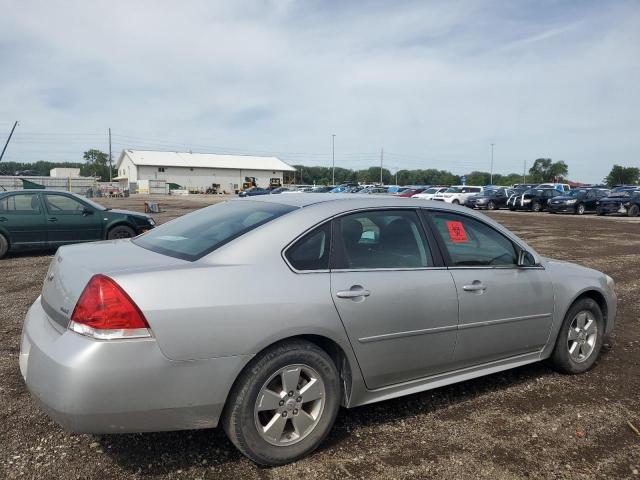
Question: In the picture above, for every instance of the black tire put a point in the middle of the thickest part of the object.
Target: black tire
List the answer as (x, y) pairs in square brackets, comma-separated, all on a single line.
[(491, 205), (238, 418), (121, 231), (4, 246), (633, 211), (536, 207), (600, 213), (455, 202), (513, 209), (560, 359), (580, 209)]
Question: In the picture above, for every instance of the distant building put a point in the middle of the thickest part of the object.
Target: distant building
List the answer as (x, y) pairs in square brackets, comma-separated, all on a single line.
[(64, 172), (197, 170)]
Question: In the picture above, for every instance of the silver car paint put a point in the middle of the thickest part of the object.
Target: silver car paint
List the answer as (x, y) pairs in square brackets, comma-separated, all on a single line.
[(210, 317)]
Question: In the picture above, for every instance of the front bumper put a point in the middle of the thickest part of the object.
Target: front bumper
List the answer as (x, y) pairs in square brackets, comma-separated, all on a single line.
[(613, 207), (561, 207), (120, 386)]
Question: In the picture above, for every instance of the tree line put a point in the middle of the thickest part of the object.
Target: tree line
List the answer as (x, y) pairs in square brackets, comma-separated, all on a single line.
[(96, 164)]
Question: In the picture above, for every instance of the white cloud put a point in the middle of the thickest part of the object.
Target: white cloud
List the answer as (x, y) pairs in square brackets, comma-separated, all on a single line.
[(437, 81)]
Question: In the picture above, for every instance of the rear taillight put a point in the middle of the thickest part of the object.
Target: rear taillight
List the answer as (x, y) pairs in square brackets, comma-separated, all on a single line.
[(104, 311)]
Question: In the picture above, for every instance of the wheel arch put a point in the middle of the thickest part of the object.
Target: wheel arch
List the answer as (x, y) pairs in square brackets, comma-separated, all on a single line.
[(118, 223), (336, 352), (597, 297)]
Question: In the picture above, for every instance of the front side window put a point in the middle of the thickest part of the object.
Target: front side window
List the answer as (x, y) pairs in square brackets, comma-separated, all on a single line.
[(196, 234), (20, 204), (470, 242), (312, 251), (63, 205), (381, 239)]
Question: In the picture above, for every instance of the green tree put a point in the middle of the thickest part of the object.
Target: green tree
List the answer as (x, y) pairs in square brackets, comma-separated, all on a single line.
[(546, 170), (97, 165), (620, 175)]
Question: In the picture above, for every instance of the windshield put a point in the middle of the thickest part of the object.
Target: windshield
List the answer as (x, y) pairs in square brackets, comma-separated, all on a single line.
[(575, 193), (194, 235), (431, 190), (453, 190)]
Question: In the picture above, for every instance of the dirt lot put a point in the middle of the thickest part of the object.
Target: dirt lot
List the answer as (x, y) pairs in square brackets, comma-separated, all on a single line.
[(526, 423)]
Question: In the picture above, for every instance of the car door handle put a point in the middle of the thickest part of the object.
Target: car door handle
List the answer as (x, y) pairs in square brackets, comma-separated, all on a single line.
[(476, 286), (3, 219), (355, 292), (52, 219)]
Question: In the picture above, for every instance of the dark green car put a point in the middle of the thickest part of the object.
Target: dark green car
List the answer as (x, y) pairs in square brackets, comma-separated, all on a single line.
[(48, 219)]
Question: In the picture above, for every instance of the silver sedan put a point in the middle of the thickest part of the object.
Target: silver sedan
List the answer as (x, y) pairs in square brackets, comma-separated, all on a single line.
[(265, 315)]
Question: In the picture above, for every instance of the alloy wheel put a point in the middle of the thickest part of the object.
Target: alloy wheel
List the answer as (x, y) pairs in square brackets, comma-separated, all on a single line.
[(289, 405), (582, 336)]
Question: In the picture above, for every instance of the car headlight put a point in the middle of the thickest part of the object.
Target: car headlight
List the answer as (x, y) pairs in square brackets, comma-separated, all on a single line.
[(151, 221), (598, 202), (526, 200), (571, 202)]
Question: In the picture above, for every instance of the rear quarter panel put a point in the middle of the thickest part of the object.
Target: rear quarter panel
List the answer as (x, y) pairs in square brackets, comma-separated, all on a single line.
[(239, 299)]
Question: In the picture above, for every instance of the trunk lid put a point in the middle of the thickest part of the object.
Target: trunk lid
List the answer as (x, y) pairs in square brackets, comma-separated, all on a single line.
[(73, 266)]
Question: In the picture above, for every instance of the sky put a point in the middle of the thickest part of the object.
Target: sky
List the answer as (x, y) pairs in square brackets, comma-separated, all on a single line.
[(433, 83)]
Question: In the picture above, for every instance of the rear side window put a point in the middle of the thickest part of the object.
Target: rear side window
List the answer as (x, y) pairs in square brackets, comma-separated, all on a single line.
[(194, 235), (312, 251), (381, 239), (470, 242), (20, 204)]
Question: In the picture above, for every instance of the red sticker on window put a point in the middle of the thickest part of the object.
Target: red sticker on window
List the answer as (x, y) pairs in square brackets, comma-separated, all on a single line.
[(456, 232)]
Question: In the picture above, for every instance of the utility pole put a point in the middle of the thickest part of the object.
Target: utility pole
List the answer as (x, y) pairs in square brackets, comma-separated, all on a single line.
[(333, 159), (381, 162), (491, 180), (524, 172), (110, 163), (8, 140)]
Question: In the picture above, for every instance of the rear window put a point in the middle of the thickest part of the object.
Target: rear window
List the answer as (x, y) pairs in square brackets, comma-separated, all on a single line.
[(194, 235)]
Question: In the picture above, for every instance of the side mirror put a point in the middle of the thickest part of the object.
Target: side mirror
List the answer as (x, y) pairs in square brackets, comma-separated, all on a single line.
[(87, 211), (526, 259)]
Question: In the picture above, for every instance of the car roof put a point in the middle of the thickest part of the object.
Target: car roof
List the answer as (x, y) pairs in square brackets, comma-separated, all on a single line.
[(302, 200)]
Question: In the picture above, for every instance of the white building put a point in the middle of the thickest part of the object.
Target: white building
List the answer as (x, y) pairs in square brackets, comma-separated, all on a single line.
[(64, 172), (197, 170)]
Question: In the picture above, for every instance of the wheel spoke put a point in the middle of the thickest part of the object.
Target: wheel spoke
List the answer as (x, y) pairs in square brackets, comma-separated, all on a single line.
[(290, 379), (275, 427), (269, 400), (573, 334), (585, 349), (302, 421), (574, 350), (581, 319), (311, 391), (590, 327)]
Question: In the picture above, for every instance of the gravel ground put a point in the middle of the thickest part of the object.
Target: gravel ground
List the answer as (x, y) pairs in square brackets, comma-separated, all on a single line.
[(526, 423)]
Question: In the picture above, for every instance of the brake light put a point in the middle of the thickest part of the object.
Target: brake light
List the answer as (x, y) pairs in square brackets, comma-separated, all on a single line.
[(104, 311)]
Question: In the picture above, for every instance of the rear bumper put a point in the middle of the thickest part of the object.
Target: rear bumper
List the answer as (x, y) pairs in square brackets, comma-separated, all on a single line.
[(120, 386)]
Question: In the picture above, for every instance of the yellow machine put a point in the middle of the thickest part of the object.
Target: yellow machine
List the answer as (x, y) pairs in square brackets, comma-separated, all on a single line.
[(275, 183), (249, 182)]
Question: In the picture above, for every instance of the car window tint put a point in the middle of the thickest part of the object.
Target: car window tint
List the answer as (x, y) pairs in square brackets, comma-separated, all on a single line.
[(20, 204), (382, 239), (473, 243), (196, 234), (311, 252), (63, 205)]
